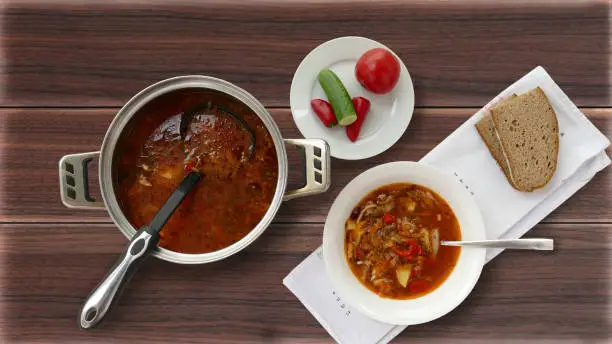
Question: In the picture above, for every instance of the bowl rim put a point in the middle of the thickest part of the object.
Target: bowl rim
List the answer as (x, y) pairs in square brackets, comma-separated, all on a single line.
[(441, 300)]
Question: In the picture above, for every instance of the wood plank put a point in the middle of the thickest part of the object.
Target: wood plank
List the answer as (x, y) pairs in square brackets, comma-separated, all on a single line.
[(33, 140), (47, 270), (90, 54)]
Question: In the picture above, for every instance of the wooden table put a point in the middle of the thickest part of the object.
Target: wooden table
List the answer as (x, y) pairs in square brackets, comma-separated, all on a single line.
[(67, 68)]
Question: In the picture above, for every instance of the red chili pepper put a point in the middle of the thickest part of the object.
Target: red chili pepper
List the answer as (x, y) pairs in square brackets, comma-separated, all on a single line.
[(362, 106), (413, 249), (325, 112), (411, 242), (406, 254), (400, 252), (414, 246), (388, 218)]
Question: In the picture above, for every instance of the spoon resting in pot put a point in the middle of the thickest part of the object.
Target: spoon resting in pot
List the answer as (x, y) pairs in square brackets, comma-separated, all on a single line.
[(216, 142)]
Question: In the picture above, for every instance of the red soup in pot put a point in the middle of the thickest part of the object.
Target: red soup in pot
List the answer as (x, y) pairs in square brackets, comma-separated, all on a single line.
[(150, 162)]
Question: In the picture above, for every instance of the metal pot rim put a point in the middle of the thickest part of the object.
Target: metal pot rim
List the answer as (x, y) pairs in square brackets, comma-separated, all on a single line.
[(143, 97)]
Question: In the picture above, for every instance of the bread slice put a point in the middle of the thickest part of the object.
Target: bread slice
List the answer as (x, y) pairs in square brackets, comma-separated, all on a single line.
[(528, 133), (486, 129)]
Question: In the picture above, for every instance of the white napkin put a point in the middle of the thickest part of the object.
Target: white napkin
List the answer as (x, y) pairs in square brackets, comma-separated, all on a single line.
[(507, 213)]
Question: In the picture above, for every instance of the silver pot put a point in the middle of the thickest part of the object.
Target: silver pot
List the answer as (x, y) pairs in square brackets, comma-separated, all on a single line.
[(73, 168)]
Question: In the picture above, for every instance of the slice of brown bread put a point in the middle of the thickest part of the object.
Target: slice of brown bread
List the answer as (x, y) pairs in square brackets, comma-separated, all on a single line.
[(486, 129), (528, 131)]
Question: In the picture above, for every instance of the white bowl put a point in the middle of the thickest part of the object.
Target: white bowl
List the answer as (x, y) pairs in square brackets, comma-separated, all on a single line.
[(440, 301), (389, 113)]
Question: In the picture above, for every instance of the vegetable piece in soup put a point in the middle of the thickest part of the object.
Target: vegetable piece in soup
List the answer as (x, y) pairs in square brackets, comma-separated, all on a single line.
[(392, 241)]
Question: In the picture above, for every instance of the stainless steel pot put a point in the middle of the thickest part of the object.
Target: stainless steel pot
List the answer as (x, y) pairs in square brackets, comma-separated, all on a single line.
[(73, 168)]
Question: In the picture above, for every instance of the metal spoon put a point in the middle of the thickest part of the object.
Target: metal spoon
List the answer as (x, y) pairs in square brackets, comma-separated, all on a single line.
[(142, 244), (517, 244)]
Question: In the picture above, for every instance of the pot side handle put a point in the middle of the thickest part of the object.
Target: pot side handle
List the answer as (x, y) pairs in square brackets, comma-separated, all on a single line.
[(316, 165), (74, 185)]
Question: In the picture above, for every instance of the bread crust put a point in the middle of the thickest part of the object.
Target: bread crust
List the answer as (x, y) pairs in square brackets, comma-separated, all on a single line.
[(499, 163)]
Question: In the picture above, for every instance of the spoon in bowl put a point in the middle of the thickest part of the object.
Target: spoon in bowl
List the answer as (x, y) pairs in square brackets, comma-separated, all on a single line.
[(517, 244)]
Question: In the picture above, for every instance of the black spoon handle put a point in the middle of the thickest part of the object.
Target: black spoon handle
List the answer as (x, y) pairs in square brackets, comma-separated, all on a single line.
[(142, 244), (164, 213)]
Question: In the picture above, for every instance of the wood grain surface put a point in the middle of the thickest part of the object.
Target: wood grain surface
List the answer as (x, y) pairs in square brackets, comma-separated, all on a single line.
[(37, 138), (67, 66), (71, 53), (49, 269)]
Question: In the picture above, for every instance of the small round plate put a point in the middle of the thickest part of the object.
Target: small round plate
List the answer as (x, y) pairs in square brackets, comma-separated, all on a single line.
[(389, 113), (441, 300)]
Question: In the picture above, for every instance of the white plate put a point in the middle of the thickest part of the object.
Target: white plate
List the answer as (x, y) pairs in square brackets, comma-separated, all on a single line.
[(389, 114), (453, 290)]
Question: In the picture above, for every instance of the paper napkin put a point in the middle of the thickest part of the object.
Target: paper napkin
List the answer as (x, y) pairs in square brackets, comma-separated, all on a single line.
[(507, 213)]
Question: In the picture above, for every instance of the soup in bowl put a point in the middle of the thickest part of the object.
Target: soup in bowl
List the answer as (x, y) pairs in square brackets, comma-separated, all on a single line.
[(381, 243), (392, 240)]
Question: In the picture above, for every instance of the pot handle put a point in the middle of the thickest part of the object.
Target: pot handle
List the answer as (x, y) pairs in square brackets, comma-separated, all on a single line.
[(74, 185), (316, 165)]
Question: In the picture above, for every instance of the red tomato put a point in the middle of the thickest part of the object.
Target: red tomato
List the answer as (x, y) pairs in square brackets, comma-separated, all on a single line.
[(378, 70)]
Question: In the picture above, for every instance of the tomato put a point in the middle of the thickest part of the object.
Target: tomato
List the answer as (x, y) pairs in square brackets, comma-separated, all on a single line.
[(378, 70), (418, 285)]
